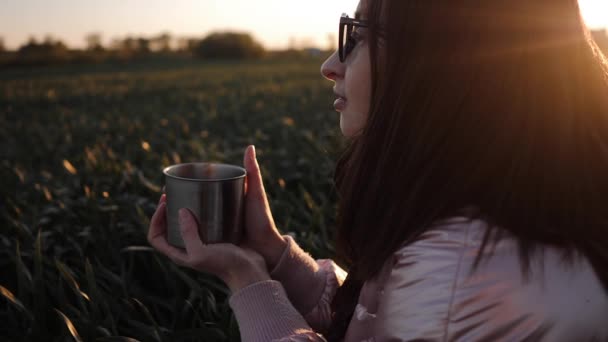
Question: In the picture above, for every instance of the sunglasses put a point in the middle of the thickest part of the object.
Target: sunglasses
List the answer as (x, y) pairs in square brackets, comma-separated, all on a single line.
[(347, 37)]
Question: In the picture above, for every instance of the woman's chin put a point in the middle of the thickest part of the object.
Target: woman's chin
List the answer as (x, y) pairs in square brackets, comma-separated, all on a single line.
[(347, 130)]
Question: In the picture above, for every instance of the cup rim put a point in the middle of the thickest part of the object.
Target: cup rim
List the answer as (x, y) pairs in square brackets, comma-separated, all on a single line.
[(168, 168)]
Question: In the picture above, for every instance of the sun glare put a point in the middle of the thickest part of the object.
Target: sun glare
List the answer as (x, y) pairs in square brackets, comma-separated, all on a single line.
[(595, 12)]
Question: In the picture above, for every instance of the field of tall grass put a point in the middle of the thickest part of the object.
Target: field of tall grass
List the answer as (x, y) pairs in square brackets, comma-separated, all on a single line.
[(82, 154)]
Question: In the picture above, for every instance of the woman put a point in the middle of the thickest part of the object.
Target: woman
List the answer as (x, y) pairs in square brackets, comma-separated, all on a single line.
[(472, 191)]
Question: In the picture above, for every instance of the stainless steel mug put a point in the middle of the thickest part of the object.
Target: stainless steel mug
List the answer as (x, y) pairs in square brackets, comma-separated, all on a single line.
[(214, 193)]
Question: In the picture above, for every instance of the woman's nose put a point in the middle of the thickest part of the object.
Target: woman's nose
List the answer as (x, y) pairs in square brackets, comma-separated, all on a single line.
[(332, 68)]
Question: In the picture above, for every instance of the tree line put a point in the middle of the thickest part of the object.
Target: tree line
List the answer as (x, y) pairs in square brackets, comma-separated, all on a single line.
[(216, 45)]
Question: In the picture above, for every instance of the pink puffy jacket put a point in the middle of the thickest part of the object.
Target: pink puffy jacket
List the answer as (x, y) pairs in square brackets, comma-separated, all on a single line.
[(425, 293)]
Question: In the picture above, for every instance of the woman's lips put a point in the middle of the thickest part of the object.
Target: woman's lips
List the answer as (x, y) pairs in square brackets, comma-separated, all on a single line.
[(340, 104)]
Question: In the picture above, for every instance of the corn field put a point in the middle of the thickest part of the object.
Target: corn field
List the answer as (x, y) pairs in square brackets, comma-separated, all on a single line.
[(83, 150)]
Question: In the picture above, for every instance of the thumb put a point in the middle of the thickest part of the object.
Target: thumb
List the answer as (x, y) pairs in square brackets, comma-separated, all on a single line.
[(255, 186), (188, 225)]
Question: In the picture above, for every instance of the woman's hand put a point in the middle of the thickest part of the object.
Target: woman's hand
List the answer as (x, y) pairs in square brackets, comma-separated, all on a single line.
[(261, 234), (237, 266)]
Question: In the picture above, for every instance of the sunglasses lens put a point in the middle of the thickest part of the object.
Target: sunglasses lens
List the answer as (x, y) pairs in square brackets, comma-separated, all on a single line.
[(342, 40), (345, 32)]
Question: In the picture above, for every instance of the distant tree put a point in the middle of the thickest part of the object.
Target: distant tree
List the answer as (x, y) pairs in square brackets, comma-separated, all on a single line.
[(161, 42), (50, 51), (228, 45), (307, 43), (187, 44), (93, 41), (129, 44), (2, 48), (129, 48), (142, 45), (50, 40), (136, 45)]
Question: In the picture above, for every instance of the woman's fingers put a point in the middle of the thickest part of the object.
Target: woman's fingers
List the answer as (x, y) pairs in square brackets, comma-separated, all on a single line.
[(224, 260), (189, 229), (157, 236), (218, 259), (157, 223), (255, 186)]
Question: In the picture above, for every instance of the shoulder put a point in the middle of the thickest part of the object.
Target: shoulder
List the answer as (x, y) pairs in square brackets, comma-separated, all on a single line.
[(447, 246), (430, 284), (419, 284), (447, 237)]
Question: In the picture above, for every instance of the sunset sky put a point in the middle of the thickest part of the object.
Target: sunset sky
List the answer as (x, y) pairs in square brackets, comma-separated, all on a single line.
[(273, 22)]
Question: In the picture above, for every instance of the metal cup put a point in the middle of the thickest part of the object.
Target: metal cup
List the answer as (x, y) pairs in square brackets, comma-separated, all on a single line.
[(214, 193)]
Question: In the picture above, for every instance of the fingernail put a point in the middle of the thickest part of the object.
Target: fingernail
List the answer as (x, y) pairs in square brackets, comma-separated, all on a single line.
[(162, 199), (253, 149)]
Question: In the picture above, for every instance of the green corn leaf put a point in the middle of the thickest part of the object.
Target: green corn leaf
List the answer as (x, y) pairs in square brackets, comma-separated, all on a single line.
[(233, 329), (192, 284), (93, 291), (142, 328), (40, 297), (143, 218), (102, 330), (38, 256), (148, 315), (116, 339), (72, 283), (24, 277), (70, 326), (6, 293)]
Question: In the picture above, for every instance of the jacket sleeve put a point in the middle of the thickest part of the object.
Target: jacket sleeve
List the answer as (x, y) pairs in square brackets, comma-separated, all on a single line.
[(310, 284), (264, 313), (294, 305)]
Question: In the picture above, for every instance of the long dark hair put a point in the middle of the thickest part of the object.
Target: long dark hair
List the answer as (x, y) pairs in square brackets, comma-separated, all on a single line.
[(500, 105)]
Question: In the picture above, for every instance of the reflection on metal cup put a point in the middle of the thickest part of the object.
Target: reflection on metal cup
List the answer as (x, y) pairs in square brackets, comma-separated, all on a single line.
[(214, 193)]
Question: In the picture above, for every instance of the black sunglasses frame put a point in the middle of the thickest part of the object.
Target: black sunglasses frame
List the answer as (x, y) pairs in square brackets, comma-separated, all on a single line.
[(347, 24)]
